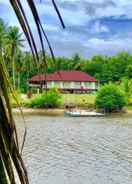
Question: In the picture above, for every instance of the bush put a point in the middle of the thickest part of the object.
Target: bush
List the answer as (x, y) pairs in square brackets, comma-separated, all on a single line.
[(52, 98), (126, 85), (36, 102), (110, 98), (48, 99)]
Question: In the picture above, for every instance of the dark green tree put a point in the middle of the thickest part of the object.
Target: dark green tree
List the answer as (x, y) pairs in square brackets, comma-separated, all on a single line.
[(110, 98)]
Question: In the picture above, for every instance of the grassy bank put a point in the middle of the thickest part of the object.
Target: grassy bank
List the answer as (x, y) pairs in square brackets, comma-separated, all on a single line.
[(129, 107), (80, 100)]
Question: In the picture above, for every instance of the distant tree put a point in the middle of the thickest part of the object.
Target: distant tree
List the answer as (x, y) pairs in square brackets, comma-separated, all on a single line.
[(120, 63), (14, 41), (2, 35)]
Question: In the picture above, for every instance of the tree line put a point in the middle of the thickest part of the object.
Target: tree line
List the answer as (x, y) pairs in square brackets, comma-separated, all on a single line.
[(21, 65)]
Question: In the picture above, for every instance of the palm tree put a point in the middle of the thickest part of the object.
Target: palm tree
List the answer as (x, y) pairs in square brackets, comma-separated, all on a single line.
[(11, 163), (2, 34), (14, 41)]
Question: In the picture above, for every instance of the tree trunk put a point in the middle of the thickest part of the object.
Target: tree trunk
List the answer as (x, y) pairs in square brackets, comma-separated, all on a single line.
[(13, 65), (18, 81), (13, 72)]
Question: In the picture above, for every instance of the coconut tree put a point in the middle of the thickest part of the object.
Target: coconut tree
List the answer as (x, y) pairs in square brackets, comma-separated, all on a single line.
[(2, 34), (18, 68), (11, 163), (14, 42)]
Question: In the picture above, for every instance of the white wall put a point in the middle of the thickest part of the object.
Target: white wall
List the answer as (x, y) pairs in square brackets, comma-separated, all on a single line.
[(71, 85)]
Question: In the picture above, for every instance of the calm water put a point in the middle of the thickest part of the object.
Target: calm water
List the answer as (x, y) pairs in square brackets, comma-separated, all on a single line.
[(62, 150)]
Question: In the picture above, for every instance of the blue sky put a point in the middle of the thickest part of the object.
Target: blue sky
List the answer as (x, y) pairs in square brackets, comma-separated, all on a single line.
[(92, 26)]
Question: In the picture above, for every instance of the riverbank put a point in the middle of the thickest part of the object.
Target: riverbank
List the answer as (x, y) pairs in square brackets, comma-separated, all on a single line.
[(76, 100), (53, 112), (28, 111), (83, 101)]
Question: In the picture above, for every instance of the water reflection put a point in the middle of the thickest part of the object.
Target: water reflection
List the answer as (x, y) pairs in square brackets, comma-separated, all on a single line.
[(62, 150)]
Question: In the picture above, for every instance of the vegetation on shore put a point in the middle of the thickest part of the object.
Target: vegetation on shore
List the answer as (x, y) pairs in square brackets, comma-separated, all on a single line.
[(105, 69), (76, 100), (110, 98), (49, 99), (37, 100)]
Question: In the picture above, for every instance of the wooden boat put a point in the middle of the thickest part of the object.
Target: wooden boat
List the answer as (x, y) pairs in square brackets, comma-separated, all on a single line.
[(83, 113)]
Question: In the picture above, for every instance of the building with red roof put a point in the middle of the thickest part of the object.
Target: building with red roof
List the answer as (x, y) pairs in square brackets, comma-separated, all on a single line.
[(71, 81)]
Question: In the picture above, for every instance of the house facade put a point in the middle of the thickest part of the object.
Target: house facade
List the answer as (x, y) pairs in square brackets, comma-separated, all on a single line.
[(70, 81)]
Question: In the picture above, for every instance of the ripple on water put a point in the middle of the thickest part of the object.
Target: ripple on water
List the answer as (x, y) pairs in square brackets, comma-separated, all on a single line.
[(62, 150)]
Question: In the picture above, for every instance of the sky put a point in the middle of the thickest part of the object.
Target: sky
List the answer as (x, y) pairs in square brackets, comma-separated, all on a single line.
[(93, 27)]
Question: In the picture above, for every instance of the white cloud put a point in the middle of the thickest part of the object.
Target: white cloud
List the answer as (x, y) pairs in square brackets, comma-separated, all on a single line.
[(49, 27), (98, 28), (79, 37), (109, 46)]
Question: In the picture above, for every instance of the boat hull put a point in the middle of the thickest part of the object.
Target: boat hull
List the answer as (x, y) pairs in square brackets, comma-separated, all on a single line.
[(83, 114)]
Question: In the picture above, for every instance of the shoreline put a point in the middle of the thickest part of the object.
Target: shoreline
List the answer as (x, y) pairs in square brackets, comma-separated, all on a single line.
[(53, 112), (31, 111)]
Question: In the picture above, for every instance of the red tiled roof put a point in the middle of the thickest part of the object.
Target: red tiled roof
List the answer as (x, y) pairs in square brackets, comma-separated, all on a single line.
[(71, 75)]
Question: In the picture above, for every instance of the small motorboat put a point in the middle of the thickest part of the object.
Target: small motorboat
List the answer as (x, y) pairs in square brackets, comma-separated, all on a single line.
[(83, 113)]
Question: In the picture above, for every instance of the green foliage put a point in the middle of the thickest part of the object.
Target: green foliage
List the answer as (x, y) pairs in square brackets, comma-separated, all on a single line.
[(52, 98), (37, 101), (126, 85), (105, 69), (129, 71), (110, 98), (48, 99)]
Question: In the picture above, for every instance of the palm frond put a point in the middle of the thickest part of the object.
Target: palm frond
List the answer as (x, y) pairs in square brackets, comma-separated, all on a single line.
[(9, 148), (11, 162), (26, 28), (58, 13)]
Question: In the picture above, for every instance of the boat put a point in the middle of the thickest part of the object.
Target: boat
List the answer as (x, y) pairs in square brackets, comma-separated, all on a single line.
[(82, 113)]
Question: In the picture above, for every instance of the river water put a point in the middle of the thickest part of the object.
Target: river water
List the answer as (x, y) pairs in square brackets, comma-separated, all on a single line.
[(62, 150)]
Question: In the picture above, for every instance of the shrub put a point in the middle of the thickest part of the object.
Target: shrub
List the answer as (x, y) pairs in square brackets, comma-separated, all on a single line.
[(110, 98), (36, 102), (48, 99), (126, 85), (52, 98)]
